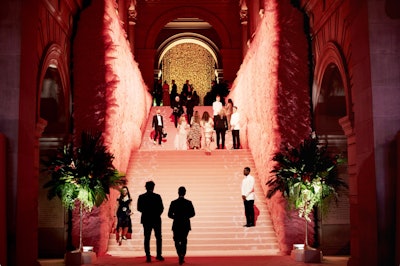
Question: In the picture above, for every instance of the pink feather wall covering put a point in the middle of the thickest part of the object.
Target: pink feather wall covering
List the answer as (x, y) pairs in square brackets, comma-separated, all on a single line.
[(271, 92), (110, 96), (273, 97)]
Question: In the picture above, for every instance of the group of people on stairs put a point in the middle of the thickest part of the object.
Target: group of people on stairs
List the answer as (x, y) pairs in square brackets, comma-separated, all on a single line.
[(195, 132)]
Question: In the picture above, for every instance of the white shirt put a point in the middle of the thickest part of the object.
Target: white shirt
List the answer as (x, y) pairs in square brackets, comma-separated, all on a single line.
[(217, 106), (235, 121), (248, 187), (159, 120)]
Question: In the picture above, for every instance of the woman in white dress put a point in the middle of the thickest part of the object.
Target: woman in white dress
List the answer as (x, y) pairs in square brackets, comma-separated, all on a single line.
[(181, 134), (207, 124)]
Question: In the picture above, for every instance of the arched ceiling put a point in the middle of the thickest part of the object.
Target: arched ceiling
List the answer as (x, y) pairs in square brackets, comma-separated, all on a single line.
[(192, 19), (188, 37)]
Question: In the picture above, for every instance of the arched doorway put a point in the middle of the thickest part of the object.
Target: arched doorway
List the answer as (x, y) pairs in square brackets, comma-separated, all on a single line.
[(330, 106), (52, 217), (189, 57)]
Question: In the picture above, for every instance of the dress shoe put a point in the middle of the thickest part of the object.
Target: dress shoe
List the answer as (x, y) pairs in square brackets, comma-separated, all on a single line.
[(148, 258), (160, 258), (181, 260), (248, 225)]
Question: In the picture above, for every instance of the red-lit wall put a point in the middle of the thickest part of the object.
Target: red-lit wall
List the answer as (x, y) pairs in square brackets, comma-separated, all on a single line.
[(272, 95), (110, 96)]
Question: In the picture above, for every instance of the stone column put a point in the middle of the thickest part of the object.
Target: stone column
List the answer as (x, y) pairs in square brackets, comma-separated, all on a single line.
[(231, 60), (145, 58), (353, 193), (132, 15), (122, 12), (243, 21), (219, 74)]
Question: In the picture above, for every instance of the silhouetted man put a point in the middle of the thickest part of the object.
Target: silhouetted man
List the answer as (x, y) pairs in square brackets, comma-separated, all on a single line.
[(151, 206), (181, 210)]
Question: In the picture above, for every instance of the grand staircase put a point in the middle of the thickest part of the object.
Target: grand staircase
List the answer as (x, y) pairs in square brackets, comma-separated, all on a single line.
[(213, 184)]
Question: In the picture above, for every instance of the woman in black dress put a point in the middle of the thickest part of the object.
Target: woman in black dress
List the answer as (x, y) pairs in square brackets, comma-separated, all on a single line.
[(124, 225)]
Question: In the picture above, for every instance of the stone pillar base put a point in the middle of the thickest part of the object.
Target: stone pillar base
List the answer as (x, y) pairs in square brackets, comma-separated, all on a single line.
[(75, 258), (306, 255)]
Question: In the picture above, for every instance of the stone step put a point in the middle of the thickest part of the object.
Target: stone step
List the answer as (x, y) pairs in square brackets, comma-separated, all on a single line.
[(213, 184)]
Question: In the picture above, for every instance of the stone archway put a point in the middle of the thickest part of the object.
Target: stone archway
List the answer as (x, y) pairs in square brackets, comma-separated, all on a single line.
[(51, 214), (53, 115), (171, 14), (222, 32), (331, 106), (189, 57), (332, 55)]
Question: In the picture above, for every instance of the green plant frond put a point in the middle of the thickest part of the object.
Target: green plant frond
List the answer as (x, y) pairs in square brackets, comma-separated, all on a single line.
[(67, 193), (100, 196), (86, 197), (85, 173), (307, 175)]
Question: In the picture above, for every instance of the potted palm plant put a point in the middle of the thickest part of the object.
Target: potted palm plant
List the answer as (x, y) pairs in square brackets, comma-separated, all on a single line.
[(307, 176), (83, 176)]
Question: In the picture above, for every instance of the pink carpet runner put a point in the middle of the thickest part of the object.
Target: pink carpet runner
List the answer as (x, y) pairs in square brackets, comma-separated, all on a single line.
[(213, 185)]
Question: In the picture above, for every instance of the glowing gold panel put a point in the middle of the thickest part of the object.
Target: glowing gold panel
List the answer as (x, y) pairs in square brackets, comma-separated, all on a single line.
[(189, 61)]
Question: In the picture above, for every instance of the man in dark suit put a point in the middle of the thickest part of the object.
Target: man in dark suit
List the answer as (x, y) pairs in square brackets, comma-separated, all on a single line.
[(151, 206), (185, 91), (181, 210), (177, 110), (158, 92), (174, 92), (158, 125), (190, 104)]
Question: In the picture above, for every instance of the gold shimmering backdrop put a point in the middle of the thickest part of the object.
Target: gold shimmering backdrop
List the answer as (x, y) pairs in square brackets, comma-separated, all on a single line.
[(189, 61)]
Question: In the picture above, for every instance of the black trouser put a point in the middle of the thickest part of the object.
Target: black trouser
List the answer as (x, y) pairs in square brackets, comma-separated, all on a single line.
[(180, 239), (189, 115), (176, 117), (220, 135), (236, 139), (158, 133), (249, 211), (147, 228), (158, 100)]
